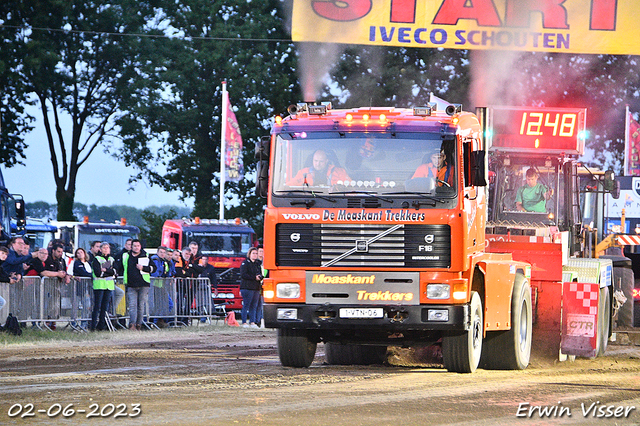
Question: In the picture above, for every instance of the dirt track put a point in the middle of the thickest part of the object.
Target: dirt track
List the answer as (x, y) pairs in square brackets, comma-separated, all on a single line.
[(221, 375)]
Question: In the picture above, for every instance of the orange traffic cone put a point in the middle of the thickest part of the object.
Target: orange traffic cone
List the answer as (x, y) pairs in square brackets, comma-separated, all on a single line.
[(231, 320)]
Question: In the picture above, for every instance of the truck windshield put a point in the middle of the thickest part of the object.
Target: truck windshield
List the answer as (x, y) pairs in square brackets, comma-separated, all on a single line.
[(115, 241), (380, 164), (4, 214), (224, 245)]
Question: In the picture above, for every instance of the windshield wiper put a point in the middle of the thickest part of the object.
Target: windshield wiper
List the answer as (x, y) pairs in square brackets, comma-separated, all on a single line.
[(421, 195), (370, 194), (308, 203)]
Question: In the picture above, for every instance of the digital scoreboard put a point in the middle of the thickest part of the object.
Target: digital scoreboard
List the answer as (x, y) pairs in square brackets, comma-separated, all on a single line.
[(546, 130)]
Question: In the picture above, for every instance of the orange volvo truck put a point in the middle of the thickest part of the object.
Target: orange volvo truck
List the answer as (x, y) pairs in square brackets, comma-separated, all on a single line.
[(375, 230)]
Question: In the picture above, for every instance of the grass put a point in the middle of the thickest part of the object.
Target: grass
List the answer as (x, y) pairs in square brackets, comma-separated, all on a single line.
[(30, 335)]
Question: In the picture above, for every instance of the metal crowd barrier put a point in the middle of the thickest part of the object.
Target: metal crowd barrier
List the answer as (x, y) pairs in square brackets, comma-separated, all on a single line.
[(46, 301)]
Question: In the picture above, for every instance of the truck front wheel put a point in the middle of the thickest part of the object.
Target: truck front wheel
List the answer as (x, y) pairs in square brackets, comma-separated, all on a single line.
[(604, 320), (511, 349), (461, 351), (295, 348)]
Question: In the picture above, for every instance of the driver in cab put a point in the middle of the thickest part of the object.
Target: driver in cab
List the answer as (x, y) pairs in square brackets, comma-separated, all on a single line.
[(533, 196), (322, 172)]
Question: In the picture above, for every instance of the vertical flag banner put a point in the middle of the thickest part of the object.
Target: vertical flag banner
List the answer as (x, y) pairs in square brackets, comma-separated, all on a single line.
[(633, 147), (234, 170)]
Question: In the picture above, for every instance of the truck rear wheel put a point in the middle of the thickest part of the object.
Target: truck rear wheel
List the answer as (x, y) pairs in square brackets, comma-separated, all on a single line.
[(604, 320), (337, 354), (511, 349), (461, 351), (295, 348)]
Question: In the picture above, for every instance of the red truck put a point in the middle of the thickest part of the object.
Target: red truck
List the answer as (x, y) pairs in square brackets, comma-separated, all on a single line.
[(225, 242)]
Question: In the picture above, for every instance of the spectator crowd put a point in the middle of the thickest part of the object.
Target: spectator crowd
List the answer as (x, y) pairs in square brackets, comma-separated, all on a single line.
[(101, 268)]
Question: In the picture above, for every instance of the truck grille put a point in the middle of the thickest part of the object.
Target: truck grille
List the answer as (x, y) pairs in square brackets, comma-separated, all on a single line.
[(228, 276), (408, 246)]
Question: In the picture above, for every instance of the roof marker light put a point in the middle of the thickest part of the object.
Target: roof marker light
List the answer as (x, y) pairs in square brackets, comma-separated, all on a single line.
[(349, 117), (317, 109), (365, 117), (422, 111)]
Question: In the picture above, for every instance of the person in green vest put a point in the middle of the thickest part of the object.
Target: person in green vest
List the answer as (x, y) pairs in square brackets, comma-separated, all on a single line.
[(137, 279), (533, 196), (104, 276)]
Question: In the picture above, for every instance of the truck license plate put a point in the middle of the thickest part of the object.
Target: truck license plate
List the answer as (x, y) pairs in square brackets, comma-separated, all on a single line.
[(361, 313)]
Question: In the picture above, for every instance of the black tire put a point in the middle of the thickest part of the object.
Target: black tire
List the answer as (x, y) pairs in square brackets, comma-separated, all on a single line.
[(337, 354), (511, 349), (461, 351), (295, 348), (604, 321)]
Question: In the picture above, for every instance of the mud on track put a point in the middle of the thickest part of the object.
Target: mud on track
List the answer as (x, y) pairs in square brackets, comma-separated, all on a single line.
[(222, 375)]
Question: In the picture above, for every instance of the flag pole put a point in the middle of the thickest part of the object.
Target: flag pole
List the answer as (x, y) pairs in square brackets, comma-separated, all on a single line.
[(626, 142), (223, 137)]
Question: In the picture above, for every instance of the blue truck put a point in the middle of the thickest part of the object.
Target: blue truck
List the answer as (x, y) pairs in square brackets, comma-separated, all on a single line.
[(8, 200)]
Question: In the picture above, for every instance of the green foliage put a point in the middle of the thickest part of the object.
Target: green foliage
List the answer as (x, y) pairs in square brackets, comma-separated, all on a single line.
[(185, 113), (14, 123), (151, 231), (134, 216), (66, 58), (603, 84), (399, 77)]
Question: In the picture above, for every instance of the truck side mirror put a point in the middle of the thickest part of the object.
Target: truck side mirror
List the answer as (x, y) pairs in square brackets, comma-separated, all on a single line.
[(21, 215), (479, 168), (611, 184), (263, 147), (616, 190)]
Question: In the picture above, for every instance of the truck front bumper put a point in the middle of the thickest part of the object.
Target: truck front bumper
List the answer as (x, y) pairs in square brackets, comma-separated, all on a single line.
[(394, 318)]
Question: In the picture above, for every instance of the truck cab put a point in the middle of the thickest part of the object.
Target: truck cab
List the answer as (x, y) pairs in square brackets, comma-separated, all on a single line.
[(7, 201), (376, 223)]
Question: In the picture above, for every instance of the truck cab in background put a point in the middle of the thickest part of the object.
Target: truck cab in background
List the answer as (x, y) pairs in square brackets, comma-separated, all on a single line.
[(225, 242), (7, 201), (82, 234), (39, 232)]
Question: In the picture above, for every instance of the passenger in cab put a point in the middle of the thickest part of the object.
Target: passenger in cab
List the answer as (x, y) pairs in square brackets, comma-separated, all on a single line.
[(533, 196), (323, 172)]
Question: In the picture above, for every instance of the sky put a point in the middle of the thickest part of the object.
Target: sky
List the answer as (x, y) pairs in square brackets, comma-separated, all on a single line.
[(102, 180)]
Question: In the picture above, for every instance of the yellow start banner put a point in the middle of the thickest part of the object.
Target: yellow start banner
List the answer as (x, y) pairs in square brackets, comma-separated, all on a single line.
[(569, 26)]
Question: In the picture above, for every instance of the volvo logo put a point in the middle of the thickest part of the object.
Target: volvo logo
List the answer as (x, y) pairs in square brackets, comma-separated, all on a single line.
[(361, 245), (429, 238), (295, 237)]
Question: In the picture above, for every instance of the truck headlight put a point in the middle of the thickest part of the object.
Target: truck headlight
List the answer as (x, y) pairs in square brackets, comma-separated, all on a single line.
[(438, 291), (288, 290), (438, 315), (287, 314)]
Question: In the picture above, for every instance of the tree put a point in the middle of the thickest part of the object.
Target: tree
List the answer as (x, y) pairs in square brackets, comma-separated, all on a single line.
[(223, 40), (399, 77), (79, 66), (601, 83), (151, 231), (13, 120)]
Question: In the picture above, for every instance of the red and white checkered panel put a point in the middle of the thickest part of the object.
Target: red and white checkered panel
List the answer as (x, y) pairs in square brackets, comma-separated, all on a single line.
[(586, 295), (580, 319)]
